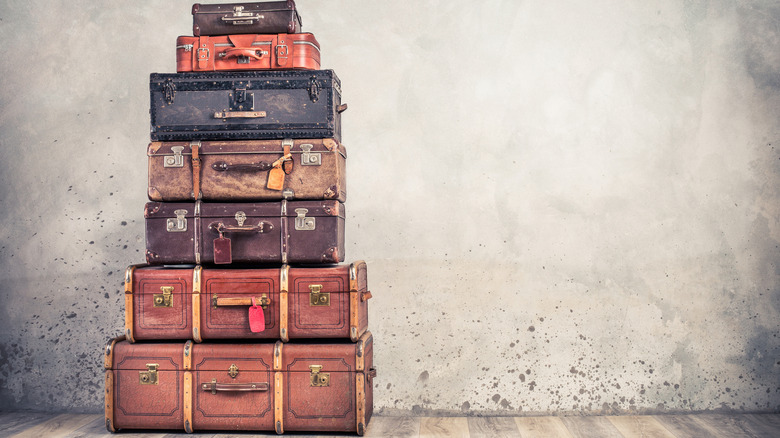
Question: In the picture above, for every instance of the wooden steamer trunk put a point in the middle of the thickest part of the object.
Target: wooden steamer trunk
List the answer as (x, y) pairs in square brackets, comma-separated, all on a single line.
[(239, 386), (209, 303)]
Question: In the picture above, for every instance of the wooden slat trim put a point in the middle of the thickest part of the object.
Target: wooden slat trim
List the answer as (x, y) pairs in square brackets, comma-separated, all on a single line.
[(279, 402), (188, 426), (360, 403), (129, 317), (187, 355), (284, 314), (196, 322), (354, 306), (109, 401)]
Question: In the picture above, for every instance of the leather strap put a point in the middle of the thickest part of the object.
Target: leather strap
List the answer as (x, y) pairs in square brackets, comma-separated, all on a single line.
[(287, 165), (195, 147), (202, 53)]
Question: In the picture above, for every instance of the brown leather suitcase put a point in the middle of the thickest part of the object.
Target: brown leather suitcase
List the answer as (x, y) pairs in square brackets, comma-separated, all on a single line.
[(243, 170), (240, 386), (257, 17), (262, 232), (247, 52), (204, 303)]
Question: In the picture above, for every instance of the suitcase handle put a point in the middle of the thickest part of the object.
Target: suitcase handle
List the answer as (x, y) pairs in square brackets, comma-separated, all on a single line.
[(222, 166), (233, 387), (239, 114), (234, 301), (262, 227), (237, 52)]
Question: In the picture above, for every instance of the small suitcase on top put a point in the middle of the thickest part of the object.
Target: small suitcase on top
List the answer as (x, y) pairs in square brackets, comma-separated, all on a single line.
[(236, 18), (247, 52), (302, 386), (207, 303), (247, 170)]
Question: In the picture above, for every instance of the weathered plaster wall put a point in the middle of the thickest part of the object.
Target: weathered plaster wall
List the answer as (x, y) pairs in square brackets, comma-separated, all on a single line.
[(565, 206)]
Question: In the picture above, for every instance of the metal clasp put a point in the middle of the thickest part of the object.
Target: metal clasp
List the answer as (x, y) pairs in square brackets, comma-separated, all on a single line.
[(177, 159), (303, 223), (309, 158), (317, 297), (179, 224), (149, 377), (203, 53), (169, 91), (233, 371), (165, 299), (319, 378), (240, 218)]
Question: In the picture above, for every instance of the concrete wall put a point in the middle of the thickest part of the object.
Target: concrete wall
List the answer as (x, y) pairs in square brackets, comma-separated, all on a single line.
[(565, 206)]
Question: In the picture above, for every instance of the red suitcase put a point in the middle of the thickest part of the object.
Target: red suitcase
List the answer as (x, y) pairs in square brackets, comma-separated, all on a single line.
[(264, 232), (210, 303), (247, 52), (240, 386)]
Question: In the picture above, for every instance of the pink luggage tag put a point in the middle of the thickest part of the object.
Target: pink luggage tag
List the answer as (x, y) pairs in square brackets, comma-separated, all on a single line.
[(256, 317), (222, 250)]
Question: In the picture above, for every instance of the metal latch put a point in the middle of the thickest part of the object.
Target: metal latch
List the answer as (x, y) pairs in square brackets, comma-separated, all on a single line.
[(241, 100), (318, 378), (240, 218), (149, 377), (309, 158), (186, 47), (303, 223), (177, 160), (165, 299), (179, 224), (233, 371), (317, 297)]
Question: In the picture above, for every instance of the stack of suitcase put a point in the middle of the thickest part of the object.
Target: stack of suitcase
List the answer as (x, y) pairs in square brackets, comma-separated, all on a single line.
[(243, 318)]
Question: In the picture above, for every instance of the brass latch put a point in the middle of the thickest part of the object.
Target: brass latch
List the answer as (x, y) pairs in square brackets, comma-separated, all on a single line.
[(165, 299), (317, 297), (318, 378), (149, 377), (233, 371)]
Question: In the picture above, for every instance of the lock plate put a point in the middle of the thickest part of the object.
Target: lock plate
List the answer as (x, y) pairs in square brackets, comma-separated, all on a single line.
[(317, 297), (149, 377), (233, 371), (175, 160), (303, 223), (165, 299), (319, 378), (179, 224), (309, 158)]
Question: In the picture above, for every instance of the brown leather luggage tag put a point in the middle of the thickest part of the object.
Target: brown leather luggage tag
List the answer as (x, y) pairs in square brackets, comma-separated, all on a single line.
[(276, 174), (256, 317), (222, 250)]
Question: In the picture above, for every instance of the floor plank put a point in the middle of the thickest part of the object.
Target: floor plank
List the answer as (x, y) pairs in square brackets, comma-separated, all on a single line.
[(764, 424), (683, 426), (444, 427), (57, 427), (13, 422), (732, 426), (542, 427), (591, 427), (393, 427), (640, 426), (492, 427)]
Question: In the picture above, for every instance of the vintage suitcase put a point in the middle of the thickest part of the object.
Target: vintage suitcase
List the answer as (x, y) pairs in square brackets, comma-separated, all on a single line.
[(240, 386), (215, 303), (236, 18), (264, 232), (244, 170), (245, 105), (247, 52)]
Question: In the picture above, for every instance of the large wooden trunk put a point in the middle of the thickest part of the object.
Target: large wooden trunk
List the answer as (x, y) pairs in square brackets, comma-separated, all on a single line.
[(240, 386), (209, 303), (247, 52), (243, 170), (264, 232), (237, 18), (245, 105)]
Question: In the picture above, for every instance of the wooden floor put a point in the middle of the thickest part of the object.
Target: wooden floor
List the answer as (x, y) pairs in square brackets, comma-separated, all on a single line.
[(39, 425)]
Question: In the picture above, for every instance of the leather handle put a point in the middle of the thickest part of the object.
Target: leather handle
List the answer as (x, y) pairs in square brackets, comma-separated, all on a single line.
[(365, 295), (371, 373), (237, 52), (240, 301), (239, 114), (215, 387), (241, 20), (341, 108), (222, 166), (262, 227)]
